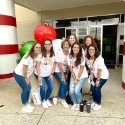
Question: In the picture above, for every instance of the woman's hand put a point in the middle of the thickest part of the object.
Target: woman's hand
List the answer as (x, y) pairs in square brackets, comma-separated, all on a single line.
[(39, 79), (63, 78), (27, 80), (66, 76), (97, 83), (51, 77), (75, 81)]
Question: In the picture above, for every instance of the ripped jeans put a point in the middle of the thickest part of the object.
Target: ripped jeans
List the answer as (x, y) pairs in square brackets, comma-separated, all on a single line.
[(75, 89)]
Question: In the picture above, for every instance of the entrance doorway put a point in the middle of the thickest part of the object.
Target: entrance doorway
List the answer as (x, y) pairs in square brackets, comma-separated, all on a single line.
[(109, 44), (96, 33)]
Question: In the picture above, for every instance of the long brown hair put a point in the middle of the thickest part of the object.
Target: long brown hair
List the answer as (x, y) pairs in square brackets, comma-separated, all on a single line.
[(79, 57), (97, 53), (31, 52), (92, 41), (52, 53)]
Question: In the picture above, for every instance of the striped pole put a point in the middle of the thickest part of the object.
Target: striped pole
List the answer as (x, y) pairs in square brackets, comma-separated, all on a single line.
[(8, 39), (123, 68)]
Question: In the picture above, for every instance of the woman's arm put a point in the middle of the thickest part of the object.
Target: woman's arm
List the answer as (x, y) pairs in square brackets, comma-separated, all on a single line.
[(98, 77), (73, 74), (61, 70), (25, 73), (53, 70), (38, 71)]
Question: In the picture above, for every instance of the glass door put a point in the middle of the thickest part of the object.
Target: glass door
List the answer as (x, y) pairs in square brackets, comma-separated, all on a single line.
[(82, 33), (96, 32), (69, 31)]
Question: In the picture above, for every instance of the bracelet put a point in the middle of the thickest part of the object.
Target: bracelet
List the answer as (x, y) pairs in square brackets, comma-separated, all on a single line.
[(52, 73)]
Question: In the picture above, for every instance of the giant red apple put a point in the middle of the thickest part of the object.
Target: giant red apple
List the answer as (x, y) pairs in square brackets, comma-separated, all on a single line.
[(44, 31)]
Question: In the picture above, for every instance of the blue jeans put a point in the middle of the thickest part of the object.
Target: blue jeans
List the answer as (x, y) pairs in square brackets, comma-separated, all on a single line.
[(75, 89), (62, 88), (24, 86), (96, 91), (45, 95)]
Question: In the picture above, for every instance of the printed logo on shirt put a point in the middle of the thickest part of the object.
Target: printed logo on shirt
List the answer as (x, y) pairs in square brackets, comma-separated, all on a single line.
[(48, 61), (65, 63), (73, 64), (91, 65)]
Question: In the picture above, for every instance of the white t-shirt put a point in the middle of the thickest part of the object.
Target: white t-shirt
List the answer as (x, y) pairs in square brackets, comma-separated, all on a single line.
[(61, 58), (76, 69), (46, 65), (30, 62), (98, 64)]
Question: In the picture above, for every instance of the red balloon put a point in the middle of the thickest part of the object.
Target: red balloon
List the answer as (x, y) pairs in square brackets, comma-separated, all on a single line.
[(44, 31)]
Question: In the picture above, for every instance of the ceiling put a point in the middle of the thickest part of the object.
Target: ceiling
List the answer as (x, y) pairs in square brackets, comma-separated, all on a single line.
[(44, 5)]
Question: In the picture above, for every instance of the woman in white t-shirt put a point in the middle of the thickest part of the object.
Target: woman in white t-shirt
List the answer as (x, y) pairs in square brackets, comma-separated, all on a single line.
[(76, 63), (61, 70), (88, 40), (22, 75), (98, 74), (45, 70)]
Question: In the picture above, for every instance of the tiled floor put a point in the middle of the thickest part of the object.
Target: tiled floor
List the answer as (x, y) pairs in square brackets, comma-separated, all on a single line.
[(111, 113)]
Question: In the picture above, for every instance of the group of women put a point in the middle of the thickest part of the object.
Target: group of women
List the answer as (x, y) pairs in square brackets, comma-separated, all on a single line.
[(73, 58)]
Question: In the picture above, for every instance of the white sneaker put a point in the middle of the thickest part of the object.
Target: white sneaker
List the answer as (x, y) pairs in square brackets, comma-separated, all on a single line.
[(77, 107), (54, 100), (64, 103), (96, 107), (48, 103), (45, 104), (26, 110), (74, 106), (93, 104), (31, 107), (59, 99)]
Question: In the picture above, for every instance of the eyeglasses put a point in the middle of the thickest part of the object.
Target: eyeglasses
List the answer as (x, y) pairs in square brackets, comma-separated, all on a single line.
[(91, 49), (47, 44)]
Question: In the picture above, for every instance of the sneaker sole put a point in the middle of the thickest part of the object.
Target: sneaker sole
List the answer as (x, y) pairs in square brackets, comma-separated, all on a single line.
[(97, 109)]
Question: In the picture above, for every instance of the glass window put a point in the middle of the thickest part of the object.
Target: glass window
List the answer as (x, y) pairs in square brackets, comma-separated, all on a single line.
[(65, 23), (83, 31), (70, 31), (60, 33), (109, 19), (82, 21), (122, 18)]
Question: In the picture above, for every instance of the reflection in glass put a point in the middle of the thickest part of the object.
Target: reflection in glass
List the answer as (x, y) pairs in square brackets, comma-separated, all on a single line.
[(110, 19), (95, 32), (82, 31), (82, 21), (70, 31), (122, 18), (65, 23)]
